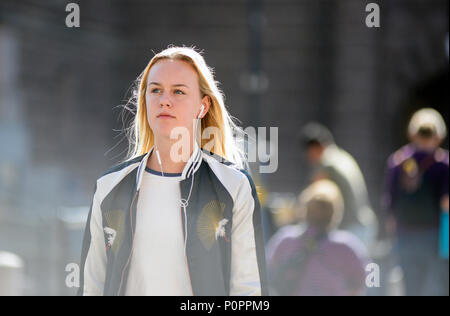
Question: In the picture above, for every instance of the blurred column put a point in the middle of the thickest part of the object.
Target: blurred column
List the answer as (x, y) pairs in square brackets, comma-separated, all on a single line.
[(13, 132), (13, 158), (254, 81)]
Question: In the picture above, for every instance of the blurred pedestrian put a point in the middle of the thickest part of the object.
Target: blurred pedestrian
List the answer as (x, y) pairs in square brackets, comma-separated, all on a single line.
[(333, 163), (322, 261), (415, 198)]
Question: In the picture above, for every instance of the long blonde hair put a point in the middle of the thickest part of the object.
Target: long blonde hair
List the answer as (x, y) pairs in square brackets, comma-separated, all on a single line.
[(140, 135)]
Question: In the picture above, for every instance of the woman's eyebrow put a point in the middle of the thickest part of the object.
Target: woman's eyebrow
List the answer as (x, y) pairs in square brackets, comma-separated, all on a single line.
[(175, 85)]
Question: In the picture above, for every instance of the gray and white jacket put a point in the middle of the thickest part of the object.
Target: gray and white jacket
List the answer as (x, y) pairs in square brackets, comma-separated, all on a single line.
[(228, 261)]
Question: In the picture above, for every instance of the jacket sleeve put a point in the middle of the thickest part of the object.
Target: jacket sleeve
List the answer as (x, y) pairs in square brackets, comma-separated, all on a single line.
[(93, 255), (248, 266)]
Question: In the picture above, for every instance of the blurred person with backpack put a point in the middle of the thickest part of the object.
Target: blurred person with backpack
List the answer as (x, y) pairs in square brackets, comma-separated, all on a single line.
[(416, 201)]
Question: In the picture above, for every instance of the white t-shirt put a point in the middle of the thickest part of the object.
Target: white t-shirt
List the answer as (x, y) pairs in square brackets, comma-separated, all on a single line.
[(158, 263)]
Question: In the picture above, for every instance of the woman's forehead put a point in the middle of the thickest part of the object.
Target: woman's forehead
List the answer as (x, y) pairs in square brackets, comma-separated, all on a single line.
[(172, 72)]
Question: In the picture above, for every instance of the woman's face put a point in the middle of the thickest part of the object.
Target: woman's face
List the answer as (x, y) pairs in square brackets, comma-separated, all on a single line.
[(173, 97)]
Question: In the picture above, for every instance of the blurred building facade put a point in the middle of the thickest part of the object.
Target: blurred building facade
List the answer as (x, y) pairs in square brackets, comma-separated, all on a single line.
[(60, 89)]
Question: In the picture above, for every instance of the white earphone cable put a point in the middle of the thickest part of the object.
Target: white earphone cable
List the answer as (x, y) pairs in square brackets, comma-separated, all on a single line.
[(185, 202), (159, 161)]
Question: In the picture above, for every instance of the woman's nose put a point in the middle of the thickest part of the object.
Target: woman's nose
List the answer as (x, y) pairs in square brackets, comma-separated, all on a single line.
[(165, 100)]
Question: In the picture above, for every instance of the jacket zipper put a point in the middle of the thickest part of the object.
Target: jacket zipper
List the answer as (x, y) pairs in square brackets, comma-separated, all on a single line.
[(132, 242), (185, 246)]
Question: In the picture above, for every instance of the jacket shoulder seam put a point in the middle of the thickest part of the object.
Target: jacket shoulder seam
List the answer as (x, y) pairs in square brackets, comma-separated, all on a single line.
[(223, 161), (121, 166)]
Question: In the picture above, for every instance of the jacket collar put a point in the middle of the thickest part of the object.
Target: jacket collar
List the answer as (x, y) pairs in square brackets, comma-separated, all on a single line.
[(191, 167)]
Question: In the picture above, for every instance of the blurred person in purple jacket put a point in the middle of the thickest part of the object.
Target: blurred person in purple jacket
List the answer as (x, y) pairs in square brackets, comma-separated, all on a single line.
[(416, 194), (321, 261)]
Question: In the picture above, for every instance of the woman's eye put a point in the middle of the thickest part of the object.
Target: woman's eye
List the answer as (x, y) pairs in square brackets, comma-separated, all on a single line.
[(156, 90), (179, 92)]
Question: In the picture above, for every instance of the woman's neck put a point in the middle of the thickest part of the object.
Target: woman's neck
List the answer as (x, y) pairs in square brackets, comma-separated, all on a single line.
[(168, 165)]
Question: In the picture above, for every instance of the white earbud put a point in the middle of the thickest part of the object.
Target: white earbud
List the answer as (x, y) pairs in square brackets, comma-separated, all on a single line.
[(201, 111)]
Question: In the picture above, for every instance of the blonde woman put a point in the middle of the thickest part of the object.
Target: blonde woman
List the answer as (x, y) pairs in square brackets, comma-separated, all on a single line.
[(180, 216)]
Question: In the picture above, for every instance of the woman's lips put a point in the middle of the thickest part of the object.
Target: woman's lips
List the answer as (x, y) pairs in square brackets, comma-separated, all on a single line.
[(165, 116)]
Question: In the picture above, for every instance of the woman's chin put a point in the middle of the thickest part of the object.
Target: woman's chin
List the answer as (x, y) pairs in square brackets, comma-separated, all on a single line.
[(165, 131)]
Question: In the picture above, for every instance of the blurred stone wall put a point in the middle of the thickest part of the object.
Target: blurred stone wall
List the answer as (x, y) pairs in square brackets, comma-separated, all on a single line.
[(60, 89)]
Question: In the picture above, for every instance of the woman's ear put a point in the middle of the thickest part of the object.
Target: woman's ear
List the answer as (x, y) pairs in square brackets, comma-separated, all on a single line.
[(206, 102)]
